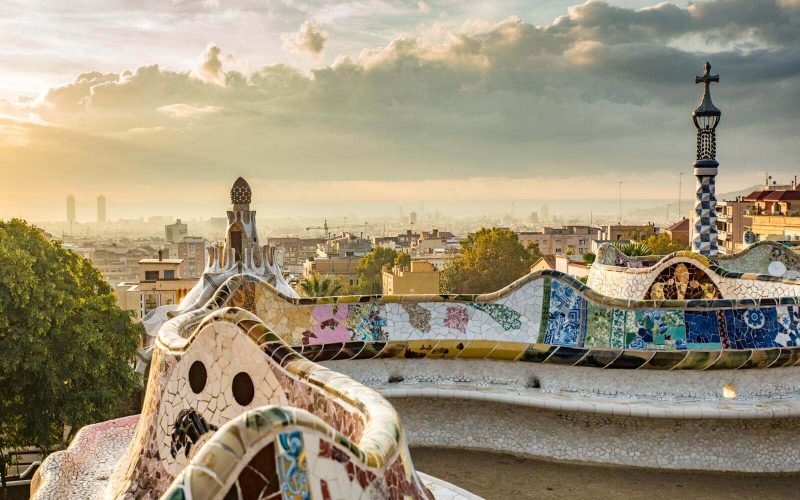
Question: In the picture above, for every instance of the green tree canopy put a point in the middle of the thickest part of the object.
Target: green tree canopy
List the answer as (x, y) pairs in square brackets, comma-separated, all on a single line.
[(663, 244), (321, 285), (490, 260), (370, 268), (66, 348)]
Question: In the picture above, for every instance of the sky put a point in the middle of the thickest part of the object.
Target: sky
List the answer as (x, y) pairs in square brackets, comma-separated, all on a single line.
[(159, 106)]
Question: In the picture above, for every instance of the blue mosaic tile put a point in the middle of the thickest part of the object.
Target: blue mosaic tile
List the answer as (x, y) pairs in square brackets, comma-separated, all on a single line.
[(654, 329), (752, 328), (702, 331), (566, 317), (789, 322), (292, 467)]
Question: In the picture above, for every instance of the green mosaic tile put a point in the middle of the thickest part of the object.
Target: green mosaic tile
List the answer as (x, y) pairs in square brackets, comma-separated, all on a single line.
[(598, 326)]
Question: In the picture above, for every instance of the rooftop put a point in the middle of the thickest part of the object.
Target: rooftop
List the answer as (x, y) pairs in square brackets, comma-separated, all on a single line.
[(160, 261)]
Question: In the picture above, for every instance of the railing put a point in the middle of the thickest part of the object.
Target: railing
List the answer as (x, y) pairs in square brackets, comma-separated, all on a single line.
[(766, 213), (23, 466)]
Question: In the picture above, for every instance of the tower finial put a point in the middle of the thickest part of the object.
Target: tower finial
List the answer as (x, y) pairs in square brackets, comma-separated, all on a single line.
[(241, 194), (706, 117)]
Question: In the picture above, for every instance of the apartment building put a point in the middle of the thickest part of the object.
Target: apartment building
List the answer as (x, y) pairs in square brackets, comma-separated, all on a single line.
[(418, 278), (562, 240)]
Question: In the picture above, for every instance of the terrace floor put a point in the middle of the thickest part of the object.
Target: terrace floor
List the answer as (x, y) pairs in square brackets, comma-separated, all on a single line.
[(498, 476)]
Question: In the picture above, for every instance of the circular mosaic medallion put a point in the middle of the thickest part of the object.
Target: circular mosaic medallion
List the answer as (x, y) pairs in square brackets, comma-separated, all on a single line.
[(776, 268)]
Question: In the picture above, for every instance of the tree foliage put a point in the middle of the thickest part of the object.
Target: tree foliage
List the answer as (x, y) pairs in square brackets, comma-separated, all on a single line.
[(489, 260), (370, 268), (324, 285), (634, 249), (639, 234), (663, 244), (66, 348)]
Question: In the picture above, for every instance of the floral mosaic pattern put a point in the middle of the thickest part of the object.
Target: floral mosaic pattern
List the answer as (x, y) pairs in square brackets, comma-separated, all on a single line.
[(756, 327), (457, 318)]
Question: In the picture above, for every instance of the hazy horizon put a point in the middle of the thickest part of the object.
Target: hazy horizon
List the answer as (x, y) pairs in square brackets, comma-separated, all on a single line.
[(375, 105)]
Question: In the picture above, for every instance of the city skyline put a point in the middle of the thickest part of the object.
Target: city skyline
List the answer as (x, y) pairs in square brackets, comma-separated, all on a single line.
[(421, 101)]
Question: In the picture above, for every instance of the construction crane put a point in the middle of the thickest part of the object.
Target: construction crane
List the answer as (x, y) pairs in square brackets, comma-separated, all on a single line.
[(326, 228)]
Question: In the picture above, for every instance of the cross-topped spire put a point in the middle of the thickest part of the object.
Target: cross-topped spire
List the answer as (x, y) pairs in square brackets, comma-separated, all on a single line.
[(707, 77), (706, 107), (706, 118)]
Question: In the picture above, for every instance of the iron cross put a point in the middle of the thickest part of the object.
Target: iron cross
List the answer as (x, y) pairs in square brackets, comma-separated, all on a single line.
[(707, 77)]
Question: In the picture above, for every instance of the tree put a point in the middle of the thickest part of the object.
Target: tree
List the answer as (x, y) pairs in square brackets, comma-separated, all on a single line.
[(639, 233), (66, 348), (634, 249), (663, 244), (318, 285), (402, 260), (533, 249), (589, 258), (490, 260), (370, 268)]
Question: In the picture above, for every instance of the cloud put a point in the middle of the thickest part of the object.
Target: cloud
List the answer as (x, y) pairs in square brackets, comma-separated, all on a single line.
[(210, 68), (600, 89), (182, 110), (423, 7), (306, 40)]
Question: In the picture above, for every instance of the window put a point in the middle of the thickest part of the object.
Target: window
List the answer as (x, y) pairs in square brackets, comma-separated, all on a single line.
[(169, 274), (150, 275), (236, 244)]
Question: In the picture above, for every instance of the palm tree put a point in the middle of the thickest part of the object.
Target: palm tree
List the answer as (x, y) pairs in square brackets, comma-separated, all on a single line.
[(318, 285), (634, 249)]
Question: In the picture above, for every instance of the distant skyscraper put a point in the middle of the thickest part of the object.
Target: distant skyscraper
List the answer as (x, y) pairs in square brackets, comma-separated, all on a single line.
[(545, 213), (175, 233), (70, 209), (101, 208)]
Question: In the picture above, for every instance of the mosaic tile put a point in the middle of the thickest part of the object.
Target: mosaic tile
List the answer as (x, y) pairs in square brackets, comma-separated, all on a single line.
[(566, 316), (701, 330), (598, 326), (506, 317), (752, 328), (457, 318), (656, 329), (366, 323), (418, 317)]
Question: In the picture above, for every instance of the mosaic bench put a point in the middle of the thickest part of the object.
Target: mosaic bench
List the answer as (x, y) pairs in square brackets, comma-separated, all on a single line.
[(286, 426), (764, 270)]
